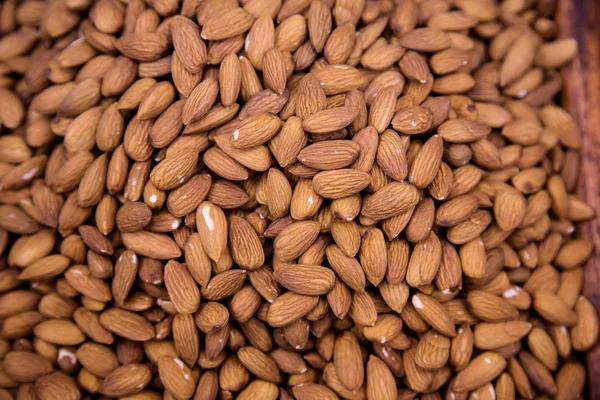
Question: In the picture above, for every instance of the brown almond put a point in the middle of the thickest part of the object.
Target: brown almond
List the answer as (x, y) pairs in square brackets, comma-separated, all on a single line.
[(98, 359), (348, 362), (255, 130), (329, 154), (380, 381), (60, 332), (182, 288), (435, 315), (186, 198), (425, 165), (482, 369), (56, 384), (309, 280), (126, 380), (176, 377), (373, 256), (289, 307), (150, 244), (224, 284), (126, 324), (295, 239), (25, 366), (425, 40), (226, 25), (259, 364), (346, 268), (188, 44), (412, 120), (391, 155), (246, 248), (330, 120), (381, 206)]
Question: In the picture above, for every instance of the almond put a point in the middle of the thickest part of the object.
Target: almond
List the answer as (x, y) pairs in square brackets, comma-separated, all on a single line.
[(380, 381), (330, 120), (182, 288), (295, 239), (425, 40), (150, 244), (230, 23), (435, 315), (188, 44), (126, 324), (289, 307), (60, 332), (329, 154), (255, 130), (176, 377), (56, 384), (380, 206), (309, 280), (340, 183), (126, 380), (482, 369), (348, 362), (212, 225), (24, 366), (246, 248)]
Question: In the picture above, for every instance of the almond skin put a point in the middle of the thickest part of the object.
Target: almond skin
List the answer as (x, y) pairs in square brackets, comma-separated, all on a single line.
[(126, 380), (151, 244), (176, 377), (329, 154), (24, 366), (287, 246), (289, 307), (330, 120), (55, 384), (347, 183), (182, 288), (296, 278), (189, 44), (378, 206), (473, 376), (246, 248), (126, 324), (212, 226), (59, 332), (255, 130), (347, 361)]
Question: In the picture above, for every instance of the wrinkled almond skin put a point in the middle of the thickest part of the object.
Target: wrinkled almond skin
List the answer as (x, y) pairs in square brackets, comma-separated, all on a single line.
[(296, 278), (182, 288), (347, 361)]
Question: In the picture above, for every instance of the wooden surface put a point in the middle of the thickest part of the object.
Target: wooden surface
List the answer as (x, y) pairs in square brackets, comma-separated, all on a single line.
[(581, 97)]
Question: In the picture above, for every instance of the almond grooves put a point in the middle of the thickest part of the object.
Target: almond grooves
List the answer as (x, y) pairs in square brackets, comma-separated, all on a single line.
[(266, 199)]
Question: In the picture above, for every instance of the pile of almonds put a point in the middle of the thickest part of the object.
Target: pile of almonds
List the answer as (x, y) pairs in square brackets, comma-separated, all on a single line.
[(297, 199)]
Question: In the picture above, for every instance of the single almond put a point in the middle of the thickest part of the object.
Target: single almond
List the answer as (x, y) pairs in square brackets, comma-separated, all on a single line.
[(330, 120), (297, 277), (255, 130), (150, 244), (127, 324), (289, 307), (126, 380), (329, 154), (340, 183), (176, 377), (295, 239), (182, 288), (246, 248)]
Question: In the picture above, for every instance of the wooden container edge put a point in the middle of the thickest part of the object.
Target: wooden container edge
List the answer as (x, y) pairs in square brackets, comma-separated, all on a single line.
[(580, 19)]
